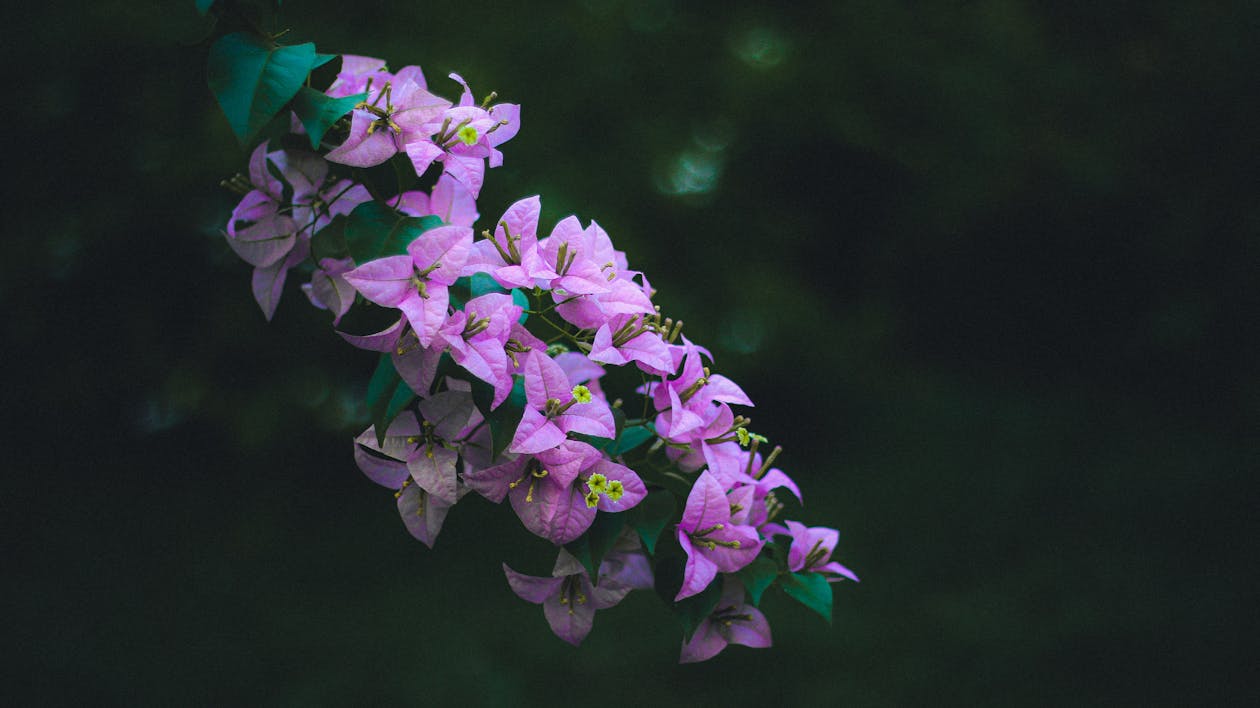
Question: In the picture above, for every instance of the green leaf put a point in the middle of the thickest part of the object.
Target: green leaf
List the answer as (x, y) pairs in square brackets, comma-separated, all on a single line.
[(520, 298), (650, 516), (630, 438), (253, 82), (318, 112), (811, 590), (594, 441), (375, 231), (504, 419), (591, 547), (322, 59), (690, 611), (758, 576), (387, 396), (203, 6), (483, 283), (330, 241)]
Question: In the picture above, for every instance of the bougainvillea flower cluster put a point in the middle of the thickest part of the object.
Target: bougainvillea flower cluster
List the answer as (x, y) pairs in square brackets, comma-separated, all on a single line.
[(494, 339)]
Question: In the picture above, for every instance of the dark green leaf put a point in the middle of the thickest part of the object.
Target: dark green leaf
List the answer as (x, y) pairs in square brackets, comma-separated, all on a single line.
[(591, 547), (594, 441), (630, 438), (203, 6), (483, 283), (376, 231), (318, 112), (811, 590), (690, 611), (253, 82), (504, 419), (758, 576), (520, 298), (650, 516), (330, 241), (779, 547), (382, 396)]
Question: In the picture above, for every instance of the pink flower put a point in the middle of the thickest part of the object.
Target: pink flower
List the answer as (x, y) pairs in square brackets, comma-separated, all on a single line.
[(417, 283), (731, 622), (711, 540)]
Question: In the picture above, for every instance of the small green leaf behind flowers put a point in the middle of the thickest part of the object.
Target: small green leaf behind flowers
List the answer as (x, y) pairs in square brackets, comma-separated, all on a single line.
[(318, 111), (504, 419), (811, 590), (758, 576), (387, 396), (591, 547), (253, 81), (650, 517), (375, 231)]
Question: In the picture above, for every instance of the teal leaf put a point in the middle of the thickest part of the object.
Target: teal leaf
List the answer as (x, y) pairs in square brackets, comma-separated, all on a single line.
[(630, 438), (811, 590), (650, 516), (253, 82), (690, 611), (330, 241), (322, 59), (504, 419), (387, 396), (758, 576), (203, 6), (591, 547), (374, 231), (318, 112), (594, 441), (483, 284), (520, 298)]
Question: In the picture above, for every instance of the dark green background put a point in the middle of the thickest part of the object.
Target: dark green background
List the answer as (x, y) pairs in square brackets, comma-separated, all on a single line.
[(989, 270)]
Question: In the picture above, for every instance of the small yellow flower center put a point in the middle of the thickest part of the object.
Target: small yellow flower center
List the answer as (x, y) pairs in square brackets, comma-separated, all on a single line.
[(468, 135), (581, 394), (599, 485)]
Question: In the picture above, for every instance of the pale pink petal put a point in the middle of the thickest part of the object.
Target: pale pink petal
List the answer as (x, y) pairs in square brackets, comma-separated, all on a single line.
[(531, 588), (384, 281), (698, 572), (422, 514), (535, 433), (705, 644)]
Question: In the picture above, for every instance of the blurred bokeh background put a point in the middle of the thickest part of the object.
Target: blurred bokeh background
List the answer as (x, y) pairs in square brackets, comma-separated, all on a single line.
[(988, 268)]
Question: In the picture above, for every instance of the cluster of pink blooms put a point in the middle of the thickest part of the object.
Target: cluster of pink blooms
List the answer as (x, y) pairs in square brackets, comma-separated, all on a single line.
[(502, 342)]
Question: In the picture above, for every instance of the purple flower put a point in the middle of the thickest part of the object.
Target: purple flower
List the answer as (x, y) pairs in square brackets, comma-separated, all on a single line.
[(568, 598), (421, 470), (328, 289), (554, 408), (811, 550), (626, 338), (274, 235), (417, 282), (510, 256), (685, 401), (731, 622), (479, 339), (557, 492), (461, 137), (573, 259), (710, 539), (390, 121)]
